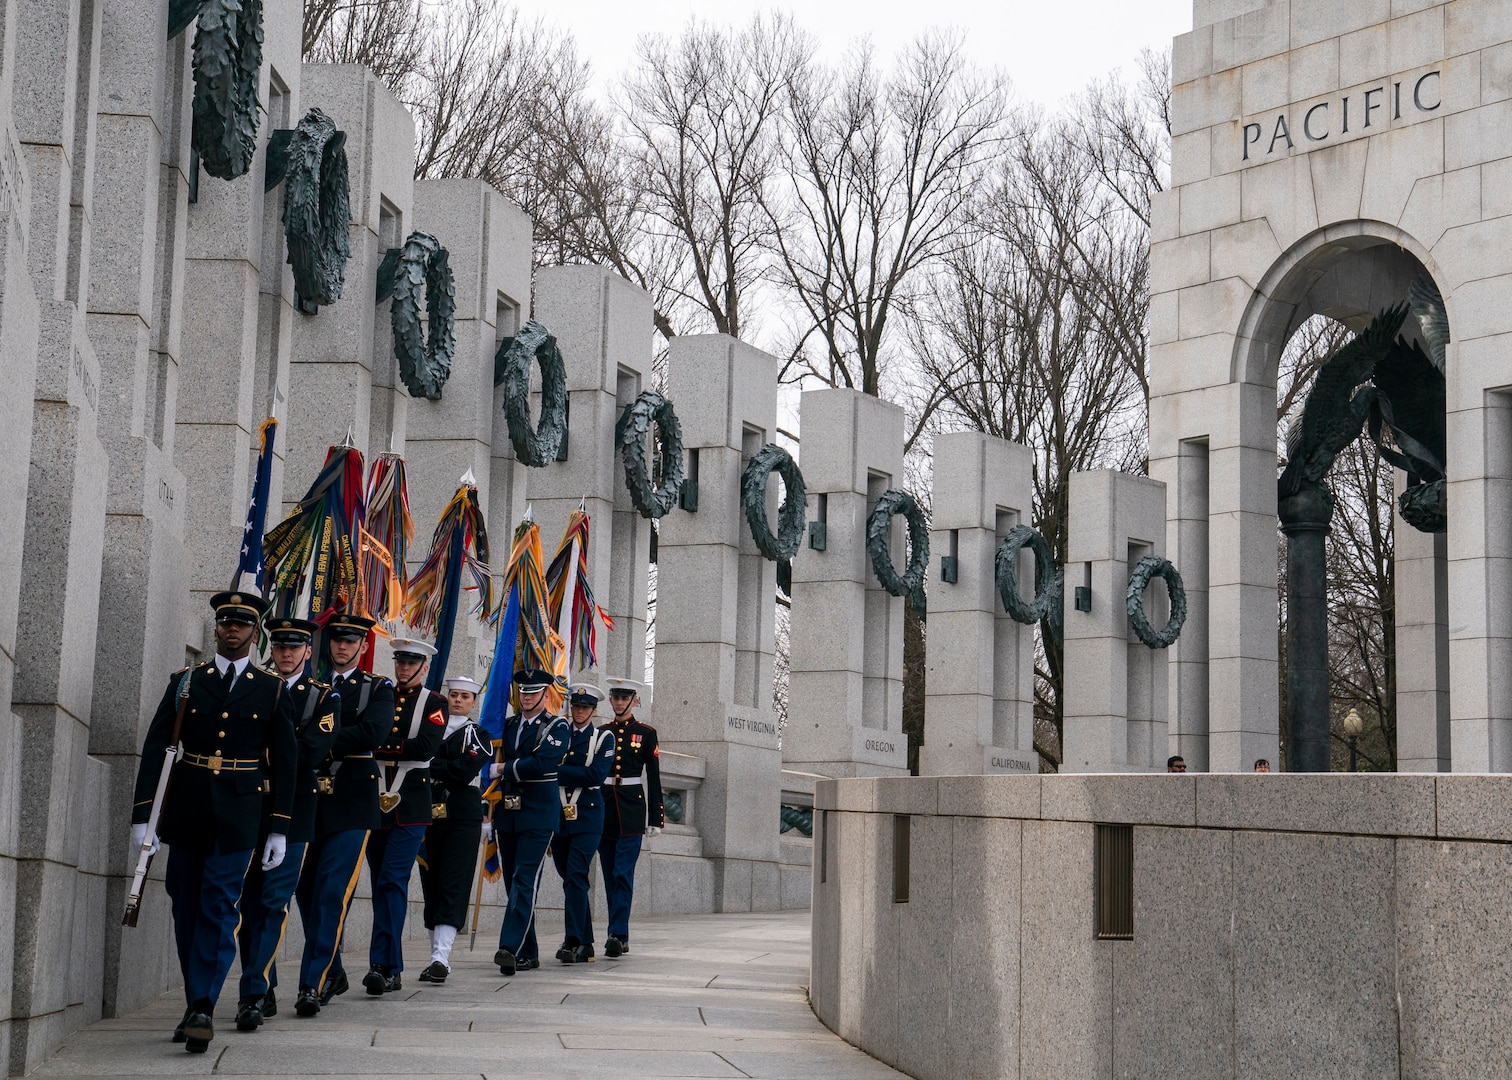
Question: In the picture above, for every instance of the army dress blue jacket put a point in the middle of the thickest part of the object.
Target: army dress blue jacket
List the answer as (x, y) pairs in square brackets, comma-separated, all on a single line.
[(315, 710), (578, 773), (234, 744), (531, 752), (367, 711)]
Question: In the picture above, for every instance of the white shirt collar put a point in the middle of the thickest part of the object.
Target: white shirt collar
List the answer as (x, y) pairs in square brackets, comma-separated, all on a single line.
[(347, 674), (221, 664), (292, 679)]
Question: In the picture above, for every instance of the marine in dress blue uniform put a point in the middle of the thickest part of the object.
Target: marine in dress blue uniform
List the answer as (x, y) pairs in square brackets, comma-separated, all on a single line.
[(236, 740), (346, 809), (404, 797), (451, 842), (633, 809), (580, 826), (266, 894), (526, 814)]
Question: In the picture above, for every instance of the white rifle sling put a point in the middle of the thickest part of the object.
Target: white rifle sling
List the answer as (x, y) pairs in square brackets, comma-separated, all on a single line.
[(593, 749), (388, 798)]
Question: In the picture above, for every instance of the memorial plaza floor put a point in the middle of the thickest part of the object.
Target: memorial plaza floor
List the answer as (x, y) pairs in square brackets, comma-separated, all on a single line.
[(697, 996)]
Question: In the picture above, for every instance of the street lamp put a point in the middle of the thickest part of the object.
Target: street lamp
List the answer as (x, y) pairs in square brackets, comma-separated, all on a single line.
[(1353, 725)]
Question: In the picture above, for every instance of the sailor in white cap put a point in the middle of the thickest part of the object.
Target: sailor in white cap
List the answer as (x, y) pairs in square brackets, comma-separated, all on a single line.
[(404, 798), (451, 841), (633, 808), (580, 825)]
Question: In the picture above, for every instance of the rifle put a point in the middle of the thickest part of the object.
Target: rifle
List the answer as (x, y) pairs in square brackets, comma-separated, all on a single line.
[(144, 854)]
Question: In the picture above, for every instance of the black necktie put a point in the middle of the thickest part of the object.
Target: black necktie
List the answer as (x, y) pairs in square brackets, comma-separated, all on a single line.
[(228, 680)]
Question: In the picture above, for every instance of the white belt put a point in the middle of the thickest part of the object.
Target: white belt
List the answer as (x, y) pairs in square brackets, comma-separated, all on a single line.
[(624, 781), (593, 749), (404, 767)]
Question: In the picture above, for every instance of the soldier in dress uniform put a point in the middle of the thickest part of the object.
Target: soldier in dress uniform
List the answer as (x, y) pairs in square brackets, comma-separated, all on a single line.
[(404, 797), (526, 813), (266, 895), (346, 809), (589, 760), (451, 842), (236, 739), (633, 808)]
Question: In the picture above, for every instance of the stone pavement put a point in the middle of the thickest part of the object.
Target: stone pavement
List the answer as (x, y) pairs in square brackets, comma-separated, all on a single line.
[(698, 996)]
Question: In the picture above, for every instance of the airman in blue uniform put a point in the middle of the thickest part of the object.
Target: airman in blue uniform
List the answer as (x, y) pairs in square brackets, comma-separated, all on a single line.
[(527, 811), (580, 826), (236, 743)]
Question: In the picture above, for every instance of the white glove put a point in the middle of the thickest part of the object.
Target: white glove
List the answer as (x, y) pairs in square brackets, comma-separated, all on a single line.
[(495, 770), (138, 835), (273, 852), (652, 830), (487, 830)]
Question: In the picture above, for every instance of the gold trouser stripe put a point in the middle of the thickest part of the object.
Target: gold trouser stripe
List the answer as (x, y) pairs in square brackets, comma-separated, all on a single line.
[(284, 926), (236, 934), (346, 903)]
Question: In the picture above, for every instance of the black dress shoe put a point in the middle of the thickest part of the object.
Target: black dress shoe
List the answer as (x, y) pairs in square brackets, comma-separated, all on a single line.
[(506, 961), (178, 1032), (375, 982), (334, 985), (307, 1003), (249, 1015), (567, 954), (199, 1029), (269, 1006), (613, 946), (527, 963), (584, 954), (392, 984), (436, 973)]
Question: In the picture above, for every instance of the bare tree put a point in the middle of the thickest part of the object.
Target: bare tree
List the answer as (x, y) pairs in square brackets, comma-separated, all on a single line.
[(1018, 344), (881, 169), (388, 36), (700, 116)]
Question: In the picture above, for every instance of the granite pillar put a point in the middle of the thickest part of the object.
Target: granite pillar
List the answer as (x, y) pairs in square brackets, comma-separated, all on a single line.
[(979, 704), (1114, 694), (845, 671), (716, 611), (342, 374), (488, 241), (602, 325)]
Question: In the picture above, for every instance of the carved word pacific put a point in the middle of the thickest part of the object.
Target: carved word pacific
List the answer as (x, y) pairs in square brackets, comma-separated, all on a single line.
[(1356, 112)]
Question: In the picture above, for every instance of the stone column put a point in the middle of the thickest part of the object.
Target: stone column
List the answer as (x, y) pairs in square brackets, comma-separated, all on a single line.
[(602, 324), (1421, 577), (487, 240), (716, 610), (237, 298), (59, 889), (845, 671), (1186, 474), (342, 371), (979, 707), (1114, 694), (141, 173), (19, 318)]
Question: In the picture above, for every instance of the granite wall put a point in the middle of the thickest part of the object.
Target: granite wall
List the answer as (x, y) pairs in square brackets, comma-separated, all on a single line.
[(1283, 926)]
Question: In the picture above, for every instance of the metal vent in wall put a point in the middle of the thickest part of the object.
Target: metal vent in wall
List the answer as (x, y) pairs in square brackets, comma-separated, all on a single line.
[(901, 832), (1113, 881)]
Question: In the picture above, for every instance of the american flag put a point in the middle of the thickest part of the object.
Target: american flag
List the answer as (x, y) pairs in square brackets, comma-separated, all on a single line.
[(251, 561)]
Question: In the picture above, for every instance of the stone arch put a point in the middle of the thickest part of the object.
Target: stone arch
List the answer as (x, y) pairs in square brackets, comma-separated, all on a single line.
[(1347, 271)]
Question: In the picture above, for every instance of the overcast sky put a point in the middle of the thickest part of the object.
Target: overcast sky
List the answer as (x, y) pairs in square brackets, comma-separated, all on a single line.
[(1050, 48)]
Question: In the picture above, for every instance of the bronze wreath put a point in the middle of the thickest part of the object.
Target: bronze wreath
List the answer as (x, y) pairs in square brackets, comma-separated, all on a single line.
[(226, 62), (653, 496), (1153, 566), (424, 360), (911, 583), (790, 516), (317, 209), (1005, 570), (512, 370)]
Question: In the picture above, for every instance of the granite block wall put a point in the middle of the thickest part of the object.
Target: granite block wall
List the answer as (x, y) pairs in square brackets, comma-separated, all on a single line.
[(1283, 925)]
